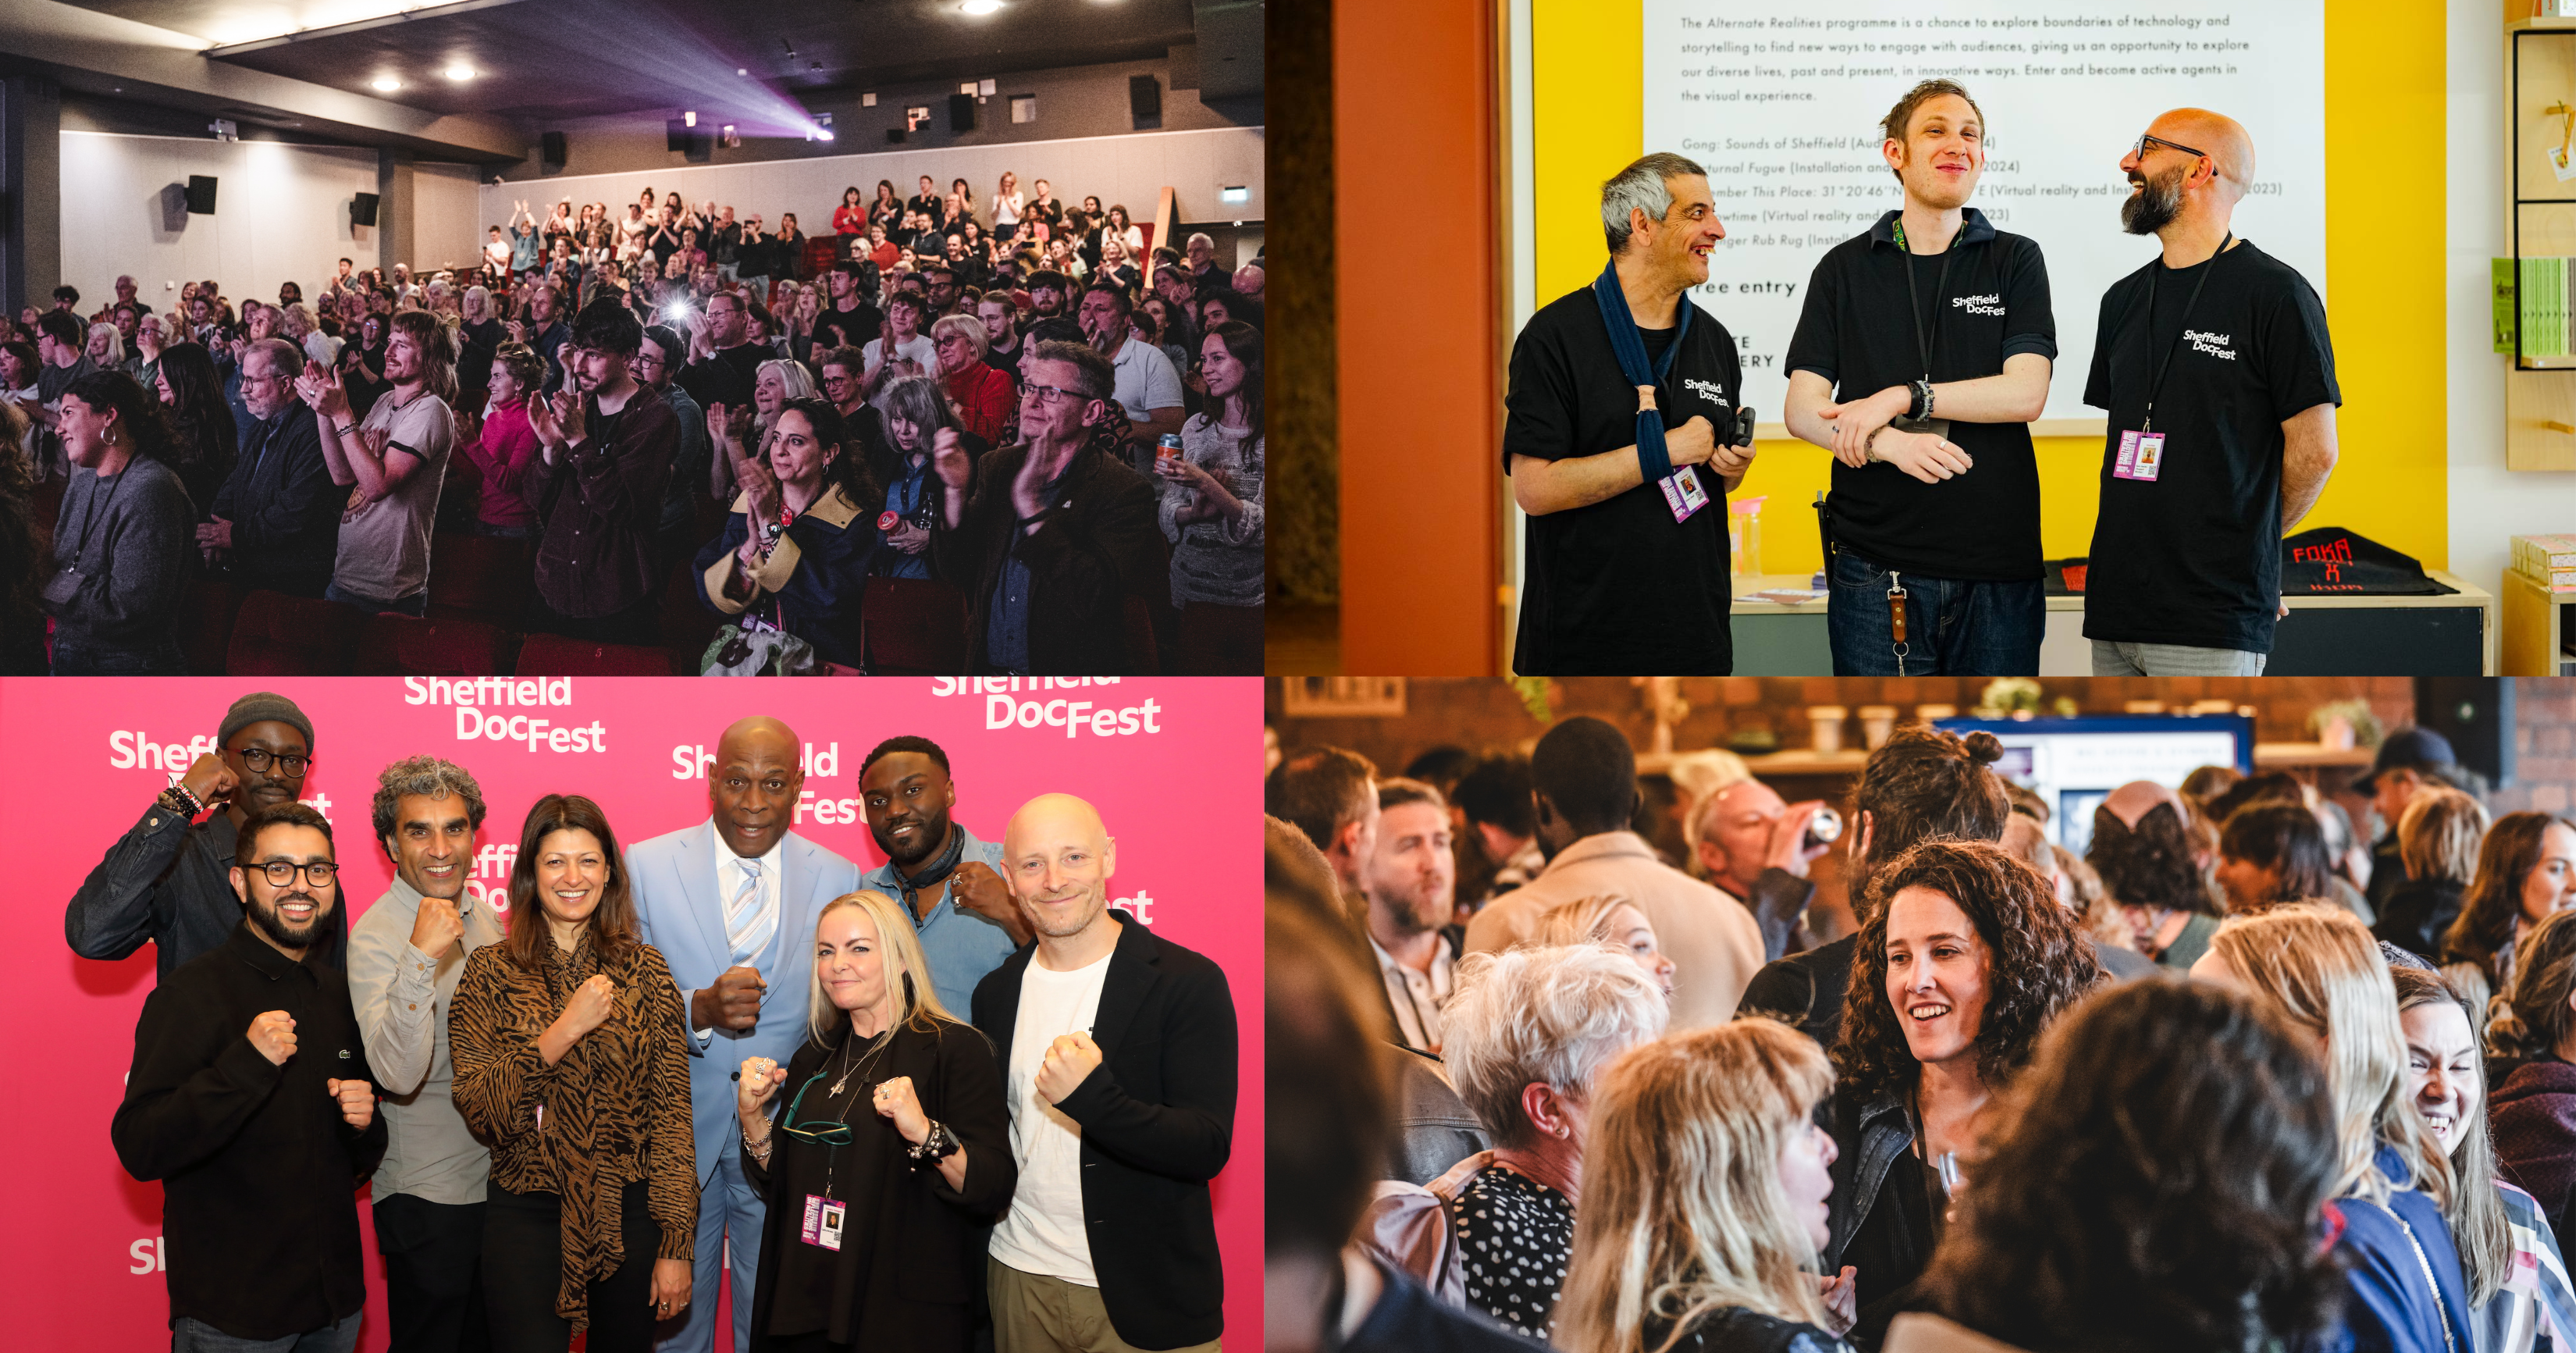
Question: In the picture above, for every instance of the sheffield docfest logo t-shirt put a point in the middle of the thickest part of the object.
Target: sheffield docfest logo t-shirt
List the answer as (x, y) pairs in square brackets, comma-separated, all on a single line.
[(1618, 586), (1980, 301), (2193, 556)]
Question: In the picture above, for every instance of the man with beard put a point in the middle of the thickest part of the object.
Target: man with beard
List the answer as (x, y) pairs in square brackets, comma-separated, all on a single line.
[(165, 880), (406, 955), (731, 904), (1119, 1052), (250, 1099), (396, 459), (1410, 880), (2222, 418), (1921, 356), (1627, 550), (1145, 384), (932, 861), (1047, 289)]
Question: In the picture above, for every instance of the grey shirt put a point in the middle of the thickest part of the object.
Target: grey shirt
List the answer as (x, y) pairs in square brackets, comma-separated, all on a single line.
[(129, 537), (402, 999)]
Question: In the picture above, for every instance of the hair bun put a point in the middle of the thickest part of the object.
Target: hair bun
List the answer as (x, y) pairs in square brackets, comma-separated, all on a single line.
[(1984, 748)]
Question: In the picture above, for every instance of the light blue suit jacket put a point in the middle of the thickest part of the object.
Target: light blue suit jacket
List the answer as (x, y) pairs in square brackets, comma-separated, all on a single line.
[(677, 908)]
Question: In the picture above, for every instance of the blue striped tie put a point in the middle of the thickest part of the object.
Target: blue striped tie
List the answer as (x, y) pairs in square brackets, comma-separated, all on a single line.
[(748, 924)]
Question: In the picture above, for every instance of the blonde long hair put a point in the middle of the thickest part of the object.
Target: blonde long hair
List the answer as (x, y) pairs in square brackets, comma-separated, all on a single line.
[(2476, 1211), (2320, 967), (899, 951), (1683, 1213)]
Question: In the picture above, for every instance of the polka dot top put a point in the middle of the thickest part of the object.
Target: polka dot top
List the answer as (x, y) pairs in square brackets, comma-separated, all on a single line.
[(1515, 1236)]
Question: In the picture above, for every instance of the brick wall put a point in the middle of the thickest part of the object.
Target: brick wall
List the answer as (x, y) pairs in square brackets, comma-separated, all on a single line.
[(2544, 738)]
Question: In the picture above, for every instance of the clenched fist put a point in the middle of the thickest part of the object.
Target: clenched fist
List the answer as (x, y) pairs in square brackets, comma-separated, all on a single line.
[(761, 1077), (210, 779), (357, 1101), (895, 1100), (437, 928), (732, 1001), (1069, 1059), (273, 1034), (591, 1004)]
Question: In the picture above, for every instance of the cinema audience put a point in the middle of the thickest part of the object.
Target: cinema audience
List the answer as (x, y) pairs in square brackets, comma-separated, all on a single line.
[(597, 488), (504, 442), (397, 459), (1211, 512), (122, 546), (797, 588)]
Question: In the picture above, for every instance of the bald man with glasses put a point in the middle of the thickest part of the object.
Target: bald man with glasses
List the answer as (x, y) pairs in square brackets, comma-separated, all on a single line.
[(2216, 368)]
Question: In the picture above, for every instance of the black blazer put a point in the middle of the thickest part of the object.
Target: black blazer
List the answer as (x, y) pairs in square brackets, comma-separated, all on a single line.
[(283, 506), (1157, 1120), (1098, 546), (924, 1248)]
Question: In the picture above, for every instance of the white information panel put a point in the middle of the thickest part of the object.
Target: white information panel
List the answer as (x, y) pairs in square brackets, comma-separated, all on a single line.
[(1781, 102), (2073, 764)]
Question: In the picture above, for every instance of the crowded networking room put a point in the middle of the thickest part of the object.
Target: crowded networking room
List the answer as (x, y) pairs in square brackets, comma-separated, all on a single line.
[(561, 337), (1927, 1015), (2007, 338)]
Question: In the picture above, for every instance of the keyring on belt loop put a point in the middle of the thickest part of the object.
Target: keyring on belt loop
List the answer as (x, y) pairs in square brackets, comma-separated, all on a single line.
[(1896, 617)]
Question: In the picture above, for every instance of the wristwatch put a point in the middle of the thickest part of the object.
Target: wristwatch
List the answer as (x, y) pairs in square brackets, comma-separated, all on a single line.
[(938, 1146)]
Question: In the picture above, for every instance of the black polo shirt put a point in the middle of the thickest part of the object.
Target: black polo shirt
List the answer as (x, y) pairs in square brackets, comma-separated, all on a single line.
[(259, 1172), (1856, 332), (2194, 556), (1618, 587)]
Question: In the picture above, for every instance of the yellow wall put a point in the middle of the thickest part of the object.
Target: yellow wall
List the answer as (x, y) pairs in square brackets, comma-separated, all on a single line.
[(2384, 243)]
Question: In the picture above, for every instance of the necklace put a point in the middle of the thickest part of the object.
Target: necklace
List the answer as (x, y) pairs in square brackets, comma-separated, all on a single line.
[(847, 1069)]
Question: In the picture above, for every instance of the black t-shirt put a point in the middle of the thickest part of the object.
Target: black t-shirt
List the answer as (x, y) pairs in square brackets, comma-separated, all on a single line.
[(1856, 333), (726, 377), (837, 328), (2194, 556), (1618, 586)]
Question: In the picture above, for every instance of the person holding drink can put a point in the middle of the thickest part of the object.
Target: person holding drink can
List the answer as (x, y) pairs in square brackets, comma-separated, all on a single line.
[(1211, 483)]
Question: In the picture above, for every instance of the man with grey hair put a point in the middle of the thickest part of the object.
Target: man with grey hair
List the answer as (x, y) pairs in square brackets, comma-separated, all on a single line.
[(1619, 392), (406, 953), (2237, 380), (276, 519)]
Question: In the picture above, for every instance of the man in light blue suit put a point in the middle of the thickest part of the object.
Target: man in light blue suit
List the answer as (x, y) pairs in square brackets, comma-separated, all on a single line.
[(731, 904)]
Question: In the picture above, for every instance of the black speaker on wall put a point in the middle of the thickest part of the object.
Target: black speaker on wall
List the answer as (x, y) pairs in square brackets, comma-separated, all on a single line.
[(551, 150), (961, 112), (201, 195), (1144, 97), (362, 210)]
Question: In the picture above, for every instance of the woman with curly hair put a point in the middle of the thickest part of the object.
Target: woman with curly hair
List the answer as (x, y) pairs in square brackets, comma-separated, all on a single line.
[(2319, 968), (1704, 1200), (2142, 847), (1965, 958), (2526, 874), (2078, 1231)]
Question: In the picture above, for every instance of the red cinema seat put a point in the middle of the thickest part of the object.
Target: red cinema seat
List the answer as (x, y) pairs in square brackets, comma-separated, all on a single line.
[(279, 635), (913, 627), (392, 644), (555, 655), (206, 624), (484, 578), (686, 622)]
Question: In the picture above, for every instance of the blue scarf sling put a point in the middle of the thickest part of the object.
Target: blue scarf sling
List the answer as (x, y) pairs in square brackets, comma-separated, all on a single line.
[(1629, 346)]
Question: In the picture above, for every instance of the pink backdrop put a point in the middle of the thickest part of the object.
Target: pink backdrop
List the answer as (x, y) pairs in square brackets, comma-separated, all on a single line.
[(1171, 764)]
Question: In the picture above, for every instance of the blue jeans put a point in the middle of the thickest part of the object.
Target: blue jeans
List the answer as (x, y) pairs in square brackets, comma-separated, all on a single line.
[(1952, 627), (191, 1335), (416, 604)]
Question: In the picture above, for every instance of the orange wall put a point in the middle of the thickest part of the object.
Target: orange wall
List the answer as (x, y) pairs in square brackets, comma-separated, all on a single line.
[(1415, 127)]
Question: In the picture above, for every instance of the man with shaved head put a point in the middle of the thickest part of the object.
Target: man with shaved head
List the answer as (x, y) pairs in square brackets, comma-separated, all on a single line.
[(2214, 363), (1119, 1047), (731, 902)]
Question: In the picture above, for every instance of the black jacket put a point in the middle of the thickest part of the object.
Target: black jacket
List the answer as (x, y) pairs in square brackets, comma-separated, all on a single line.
[(283, 506), (259, 1172), (168, 881), (1100, 544), (2414, 914), (1157, 1120), (1805, 989), (925, 1243)]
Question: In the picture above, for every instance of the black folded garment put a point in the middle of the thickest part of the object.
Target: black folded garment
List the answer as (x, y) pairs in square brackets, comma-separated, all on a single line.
[(2331, 561)]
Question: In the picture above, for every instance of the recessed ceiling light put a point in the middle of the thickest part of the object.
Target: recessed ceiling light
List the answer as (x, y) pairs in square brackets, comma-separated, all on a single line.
[(384, 84), (460, 72), (982, 7)]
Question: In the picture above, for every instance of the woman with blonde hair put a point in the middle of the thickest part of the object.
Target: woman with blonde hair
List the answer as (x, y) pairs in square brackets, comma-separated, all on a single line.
[(1706, 1180), (1614, 922), (775, 384), (2437, 839), (2319, 967), (895, 1089)]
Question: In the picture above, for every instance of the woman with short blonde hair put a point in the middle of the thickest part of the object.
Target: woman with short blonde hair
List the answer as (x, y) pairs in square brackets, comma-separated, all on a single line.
[(2437, 840), (1704, 1207), (1613, 922)]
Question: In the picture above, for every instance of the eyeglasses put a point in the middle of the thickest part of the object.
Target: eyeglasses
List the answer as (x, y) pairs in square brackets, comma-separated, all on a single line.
[(1051, 394), (292, 765), (820, 1132), (2139, 150), (282, 872)]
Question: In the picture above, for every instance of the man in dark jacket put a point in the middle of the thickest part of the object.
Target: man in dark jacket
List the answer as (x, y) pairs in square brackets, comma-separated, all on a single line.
[(278, 514), (598, 486), (1054, 535), (1120, 1061), (251, 1100)]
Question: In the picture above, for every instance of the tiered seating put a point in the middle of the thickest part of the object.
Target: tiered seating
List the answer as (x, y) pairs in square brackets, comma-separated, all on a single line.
[(206, 624), (554, 655), (399, 645), (484, 578), (913, 627), (279, 635)]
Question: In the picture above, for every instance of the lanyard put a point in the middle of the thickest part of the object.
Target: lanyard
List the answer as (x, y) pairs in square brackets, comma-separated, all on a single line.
[(1923, 341), (2157, 384), (98, 508)]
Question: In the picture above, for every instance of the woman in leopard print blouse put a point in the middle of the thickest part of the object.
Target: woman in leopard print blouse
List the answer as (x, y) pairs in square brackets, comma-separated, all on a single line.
[(569, 1061)]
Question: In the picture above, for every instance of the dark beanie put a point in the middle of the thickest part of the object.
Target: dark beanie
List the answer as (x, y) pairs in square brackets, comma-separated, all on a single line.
[(260, 707)]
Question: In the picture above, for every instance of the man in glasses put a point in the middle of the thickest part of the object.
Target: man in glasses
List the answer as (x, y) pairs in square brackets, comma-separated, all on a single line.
[(655, 362), (1921, 356), (2214, 363), (406, 953), (1056, 533), (1118, 1048), (276, 519), (251, 1100), (165, 880)]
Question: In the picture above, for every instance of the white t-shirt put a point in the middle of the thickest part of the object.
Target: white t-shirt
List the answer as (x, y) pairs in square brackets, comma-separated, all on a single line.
[(1044, 1232), (384, 550), (917, 348), (1146, 381)]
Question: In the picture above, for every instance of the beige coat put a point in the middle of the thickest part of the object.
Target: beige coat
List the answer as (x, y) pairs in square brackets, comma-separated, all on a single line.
[(1713, 942)]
